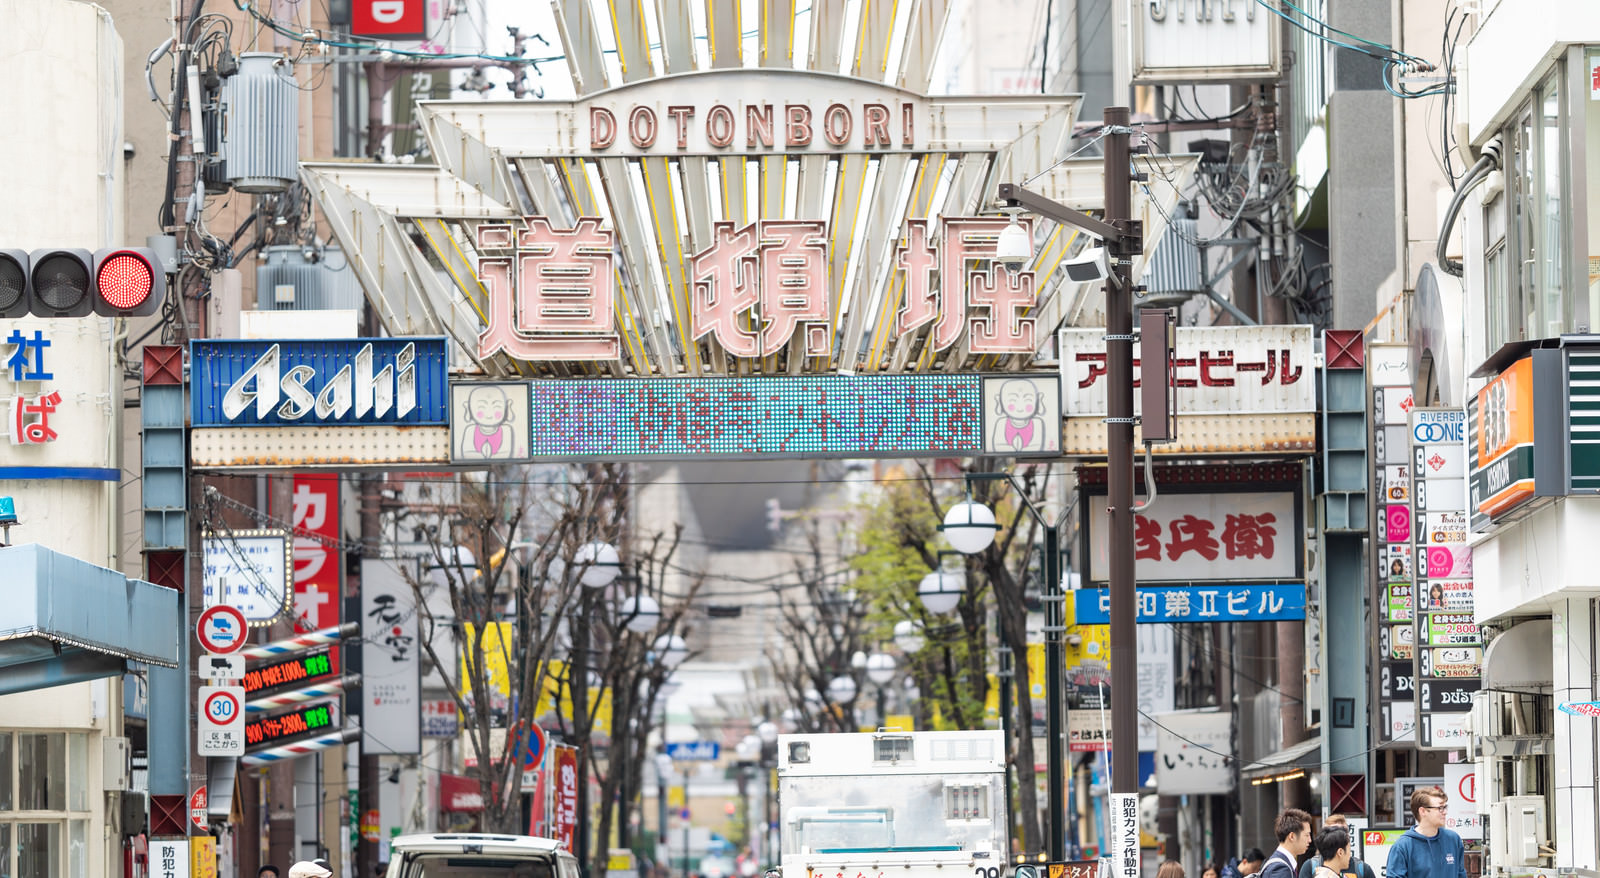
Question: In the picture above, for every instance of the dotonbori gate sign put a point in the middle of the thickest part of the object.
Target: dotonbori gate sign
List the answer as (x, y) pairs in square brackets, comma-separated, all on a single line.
[(551, 292)]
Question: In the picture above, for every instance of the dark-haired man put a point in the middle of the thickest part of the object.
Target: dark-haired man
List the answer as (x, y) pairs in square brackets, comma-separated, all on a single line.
[(1293, 831), (1356, 868)]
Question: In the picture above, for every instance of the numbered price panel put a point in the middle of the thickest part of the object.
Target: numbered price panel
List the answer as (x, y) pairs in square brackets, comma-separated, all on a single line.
[(220, 721), (1392, 403), (1447, 648)]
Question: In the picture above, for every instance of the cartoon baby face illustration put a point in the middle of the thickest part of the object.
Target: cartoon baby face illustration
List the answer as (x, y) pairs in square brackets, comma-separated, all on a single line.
[(487, 406), (1019, 399)]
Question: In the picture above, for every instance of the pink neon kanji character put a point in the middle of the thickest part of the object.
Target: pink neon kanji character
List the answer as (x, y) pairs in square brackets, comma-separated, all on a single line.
[(915, 258), (794, 284), (563, 306), (1003, 296), (723, 284)]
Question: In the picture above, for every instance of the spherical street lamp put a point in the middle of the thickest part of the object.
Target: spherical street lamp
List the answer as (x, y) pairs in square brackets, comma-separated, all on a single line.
[(841, 689), (880, 668), (858, 660), (671, 650), (970, 527), (641, 613), (768, 732), (906, 636), (941, 590), (599, 562)]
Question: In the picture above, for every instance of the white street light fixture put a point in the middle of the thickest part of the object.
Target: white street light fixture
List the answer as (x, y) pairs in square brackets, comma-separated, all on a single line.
[(858, 660), (671, 650), (907, 637), (813, 698), (880, 668), (841, 689), (941, 590), (603, 564), (663, 767), (970, 527), (641, 613), (768, 732)]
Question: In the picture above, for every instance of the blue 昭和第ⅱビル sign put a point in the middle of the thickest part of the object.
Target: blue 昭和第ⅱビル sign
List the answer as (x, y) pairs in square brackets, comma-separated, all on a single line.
[(319, 382), (694, 751), (1273, 602)]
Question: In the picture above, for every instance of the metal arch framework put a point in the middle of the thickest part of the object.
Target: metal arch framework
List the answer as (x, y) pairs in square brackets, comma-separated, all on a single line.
[(410, 230)]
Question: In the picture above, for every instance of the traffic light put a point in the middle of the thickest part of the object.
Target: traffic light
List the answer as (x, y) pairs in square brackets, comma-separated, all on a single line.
[(72, 282)]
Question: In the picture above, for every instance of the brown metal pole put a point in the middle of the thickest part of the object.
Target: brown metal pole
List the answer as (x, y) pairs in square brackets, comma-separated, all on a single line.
[(1119, 461)]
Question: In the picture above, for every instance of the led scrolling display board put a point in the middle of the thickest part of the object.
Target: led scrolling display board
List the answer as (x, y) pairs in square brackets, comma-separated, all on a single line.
[(304, 722), (290, 673)]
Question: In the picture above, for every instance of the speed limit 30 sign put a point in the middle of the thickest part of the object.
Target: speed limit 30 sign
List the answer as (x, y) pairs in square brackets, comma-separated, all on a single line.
[(221, 721)]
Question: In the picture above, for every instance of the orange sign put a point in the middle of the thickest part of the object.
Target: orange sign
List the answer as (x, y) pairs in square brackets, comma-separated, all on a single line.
[(1504, 476)]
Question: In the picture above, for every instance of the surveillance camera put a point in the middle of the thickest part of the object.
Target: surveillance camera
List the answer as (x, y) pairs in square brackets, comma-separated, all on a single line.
[(1014, 248), (1089, 266)]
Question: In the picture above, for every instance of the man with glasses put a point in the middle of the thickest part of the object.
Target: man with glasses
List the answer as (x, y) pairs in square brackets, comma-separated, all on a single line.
[(1427, 849)]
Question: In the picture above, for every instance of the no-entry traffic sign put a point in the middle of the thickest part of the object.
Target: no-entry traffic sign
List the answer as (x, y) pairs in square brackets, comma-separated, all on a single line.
[(221, 725), (221, 629)]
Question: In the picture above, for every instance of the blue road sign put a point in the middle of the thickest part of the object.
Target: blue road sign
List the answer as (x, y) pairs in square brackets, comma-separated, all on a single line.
[(694, 751)]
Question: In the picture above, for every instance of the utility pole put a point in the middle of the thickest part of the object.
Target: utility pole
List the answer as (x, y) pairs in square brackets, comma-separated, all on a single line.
[(1119, 452), (1123, 239)]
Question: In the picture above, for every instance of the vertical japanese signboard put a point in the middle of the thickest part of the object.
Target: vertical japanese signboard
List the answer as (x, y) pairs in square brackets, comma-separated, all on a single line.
[(566, 794), (317, 559), (169, 858), (391, 717), (1124, 835), (1390, 373), (1448, 645)]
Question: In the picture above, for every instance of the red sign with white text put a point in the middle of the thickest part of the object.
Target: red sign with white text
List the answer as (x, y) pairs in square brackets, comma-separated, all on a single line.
[(566, 803), (316, 561), (388, 19)]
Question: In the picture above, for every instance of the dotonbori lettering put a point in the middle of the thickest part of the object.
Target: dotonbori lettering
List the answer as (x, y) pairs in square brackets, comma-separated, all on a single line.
[(789, 126)]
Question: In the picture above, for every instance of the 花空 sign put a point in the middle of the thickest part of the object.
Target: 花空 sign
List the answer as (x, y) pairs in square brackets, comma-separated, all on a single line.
[(338, 382), (1201, 603)]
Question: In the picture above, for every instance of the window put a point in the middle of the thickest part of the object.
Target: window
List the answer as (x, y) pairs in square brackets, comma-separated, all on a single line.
[(1527, 284), (44, 805), (891, 749)]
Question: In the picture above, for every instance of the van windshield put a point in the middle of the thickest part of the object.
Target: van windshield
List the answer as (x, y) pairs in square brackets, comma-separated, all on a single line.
[(470, 866)]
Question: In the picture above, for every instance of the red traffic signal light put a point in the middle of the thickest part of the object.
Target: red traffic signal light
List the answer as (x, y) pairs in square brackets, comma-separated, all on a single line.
[(72, 282), (125, 282)]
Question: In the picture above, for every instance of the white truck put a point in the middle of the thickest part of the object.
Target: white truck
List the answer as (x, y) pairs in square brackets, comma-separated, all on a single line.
[(893, 804)]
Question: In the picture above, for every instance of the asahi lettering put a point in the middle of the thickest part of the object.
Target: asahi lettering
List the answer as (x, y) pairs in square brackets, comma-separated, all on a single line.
[(865, 125), (267, 387)]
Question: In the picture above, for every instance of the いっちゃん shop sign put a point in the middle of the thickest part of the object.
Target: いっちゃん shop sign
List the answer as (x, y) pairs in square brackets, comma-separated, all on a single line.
[(379, 381)]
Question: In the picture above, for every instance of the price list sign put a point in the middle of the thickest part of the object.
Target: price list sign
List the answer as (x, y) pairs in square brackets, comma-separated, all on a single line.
[(1389, 372), (1448, 652)]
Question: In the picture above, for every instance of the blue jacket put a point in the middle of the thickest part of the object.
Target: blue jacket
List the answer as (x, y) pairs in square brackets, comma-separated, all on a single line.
[(1415, 855)]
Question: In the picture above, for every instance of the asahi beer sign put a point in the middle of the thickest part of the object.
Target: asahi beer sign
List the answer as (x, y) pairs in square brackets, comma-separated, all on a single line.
[(242, 383), (299, 403)]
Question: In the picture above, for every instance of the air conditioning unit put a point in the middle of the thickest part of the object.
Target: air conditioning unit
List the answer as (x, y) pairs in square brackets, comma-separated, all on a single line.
[(1516, 829), (117, 765)]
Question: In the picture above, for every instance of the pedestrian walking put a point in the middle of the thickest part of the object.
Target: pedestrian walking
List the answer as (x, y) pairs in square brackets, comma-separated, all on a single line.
[(1355, 869), (1210, 870), (1293, 830), (1333, 852), (1427, 849), (1170, 869), (1245, 866), (268, 871), (309, 869)]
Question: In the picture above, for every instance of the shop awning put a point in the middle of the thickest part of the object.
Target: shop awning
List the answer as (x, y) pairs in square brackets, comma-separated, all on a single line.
[(459, 794), (1295, 757), (65, 620), (1519, 659)]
